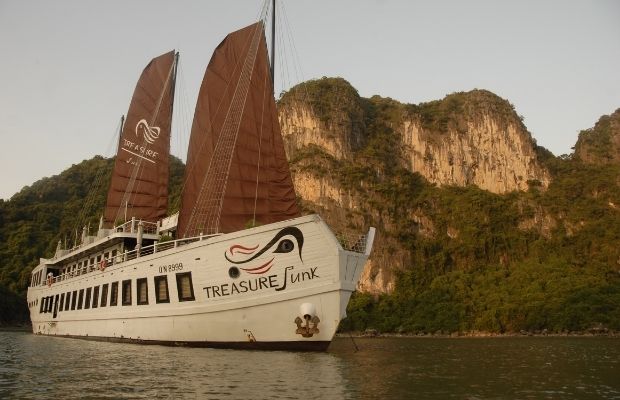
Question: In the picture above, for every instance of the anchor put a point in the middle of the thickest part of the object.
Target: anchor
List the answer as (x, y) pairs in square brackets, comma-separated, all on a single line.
[(311, 327)]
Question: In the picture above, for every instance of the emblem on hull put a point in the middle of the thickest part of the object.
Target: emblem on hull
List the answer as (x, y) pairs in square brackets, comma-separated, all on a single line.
[(310, 328), (281, 243)]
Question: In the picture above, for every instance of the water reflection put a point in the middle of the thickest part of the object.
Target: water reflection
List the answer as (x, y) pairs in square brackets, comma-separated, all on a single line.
[(36, 367), (46, 367), (485, 368)]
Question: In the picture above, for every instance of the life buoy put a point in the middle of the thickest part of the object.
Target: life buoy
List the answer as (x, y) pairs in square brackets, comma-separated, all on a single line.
[(103, 264)]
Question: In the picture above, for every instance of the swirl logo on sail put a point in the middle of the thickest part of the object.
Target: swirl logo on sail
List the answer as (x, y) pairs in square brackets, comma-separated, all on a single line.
[(150, 133), (139, 150)]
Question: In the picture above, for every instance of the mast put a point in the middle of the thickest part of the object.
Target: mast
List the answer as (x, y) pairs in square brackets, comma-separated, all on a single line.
[(273, 44), (175, 68)]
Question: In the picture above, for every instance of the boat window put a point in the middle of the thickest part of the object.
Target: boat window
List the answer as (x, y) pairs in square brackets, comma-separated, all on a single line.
[(161, 289), (80, 299), (73, 299), (62, 302), (42, 304), (142, 290), (95, 296), (127, 292), (50, 303), (104, 295), (87, 302), (114, 294), (184, 286), (67, 299)]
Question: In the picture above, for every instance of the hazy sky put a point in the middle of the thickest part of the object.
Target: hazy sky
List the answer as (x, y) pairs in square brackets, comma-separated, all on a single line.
[(68, 68)]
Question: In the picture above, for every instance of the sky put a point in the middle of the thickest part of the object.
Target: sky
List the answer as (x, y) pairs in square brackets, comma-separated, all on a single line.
[(69, 67)]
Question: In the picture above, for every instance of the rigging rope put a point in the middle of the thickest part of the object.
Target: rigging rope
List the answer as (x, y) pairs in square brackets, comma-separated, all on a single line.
[(208, 207), (260, 142), (299, 76), (95, 187)]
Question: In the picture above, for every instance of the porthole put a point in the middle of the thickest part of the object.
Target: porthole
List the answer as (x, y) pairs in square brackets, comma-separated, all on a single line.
[(233, 272)]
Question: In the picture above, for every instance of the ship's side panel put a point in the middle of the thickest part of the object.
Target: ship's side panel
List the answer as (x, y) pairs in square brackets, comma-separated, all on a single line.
[(288, 281)]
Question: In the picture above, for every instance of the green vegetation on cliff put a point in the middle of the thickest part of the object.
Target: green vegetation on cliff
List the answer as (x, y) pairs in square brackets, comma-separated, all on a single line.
[(600, 144), (52, 209), (468, 259)]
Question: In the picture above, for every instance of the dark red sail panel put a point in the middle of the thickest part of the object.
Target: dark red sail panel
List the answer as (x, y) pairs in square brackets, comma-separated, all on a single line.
[(139, 184), (235, 147)]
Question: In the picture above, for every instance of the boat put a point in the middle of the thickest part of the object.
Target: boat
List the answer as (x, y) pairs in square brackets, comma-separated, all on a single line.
[(238, 266)]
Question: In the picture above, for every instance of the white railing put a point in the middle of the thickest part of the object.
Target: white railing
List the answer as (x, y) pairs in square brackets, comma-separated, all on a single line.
[(132, 227), (127, 227), (352, 242), (127, 256)]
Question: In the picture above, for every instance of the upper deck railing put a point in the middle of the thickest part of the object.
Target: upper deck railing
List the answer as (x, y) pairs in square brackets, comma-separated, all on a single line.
[(127, 227), (126, 256)]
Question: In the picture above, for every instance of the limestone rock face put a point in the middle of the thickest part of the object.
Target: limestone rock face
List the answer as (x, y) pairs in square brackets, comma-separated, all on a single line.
[(331, 119), (479, 145), (473, 138), (600, 144), (496, 158)]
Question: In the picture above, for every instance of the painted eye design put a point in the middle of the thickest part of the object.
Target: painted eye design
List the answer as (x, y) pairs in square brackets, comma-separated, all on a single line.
[(285, 246)]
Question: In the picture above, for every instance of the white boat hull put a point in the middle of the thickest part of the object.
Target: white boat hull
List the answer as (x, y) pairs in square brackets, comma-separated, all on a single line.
[(264, 307)]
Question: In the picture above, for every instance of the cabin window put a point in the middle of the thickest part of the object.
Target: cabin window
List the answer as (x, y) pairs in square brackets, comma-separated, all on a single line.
[(114, 294), (184, 286), (104, 295), (161, 289), (73, 299), (95, 296), (62, 302), (113, 256), (42, 305), (80, 299), (87, 300), (67, 304), (127, 293), (142, 290), (50, 303)]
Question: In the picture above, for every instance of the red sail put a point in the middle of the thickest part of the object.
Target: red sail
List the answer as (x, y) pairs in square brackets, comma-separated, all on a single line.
[(139, 185), (237, 173)]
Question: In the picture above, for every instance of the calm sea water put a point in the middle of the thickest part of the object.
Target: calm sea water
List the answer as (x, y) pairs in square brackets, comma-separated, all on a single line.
[(36, 367)]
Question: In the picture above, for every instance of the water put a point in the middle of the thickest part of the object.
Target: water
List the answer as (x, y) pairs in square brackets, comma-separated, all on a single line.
[(37, 367)]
